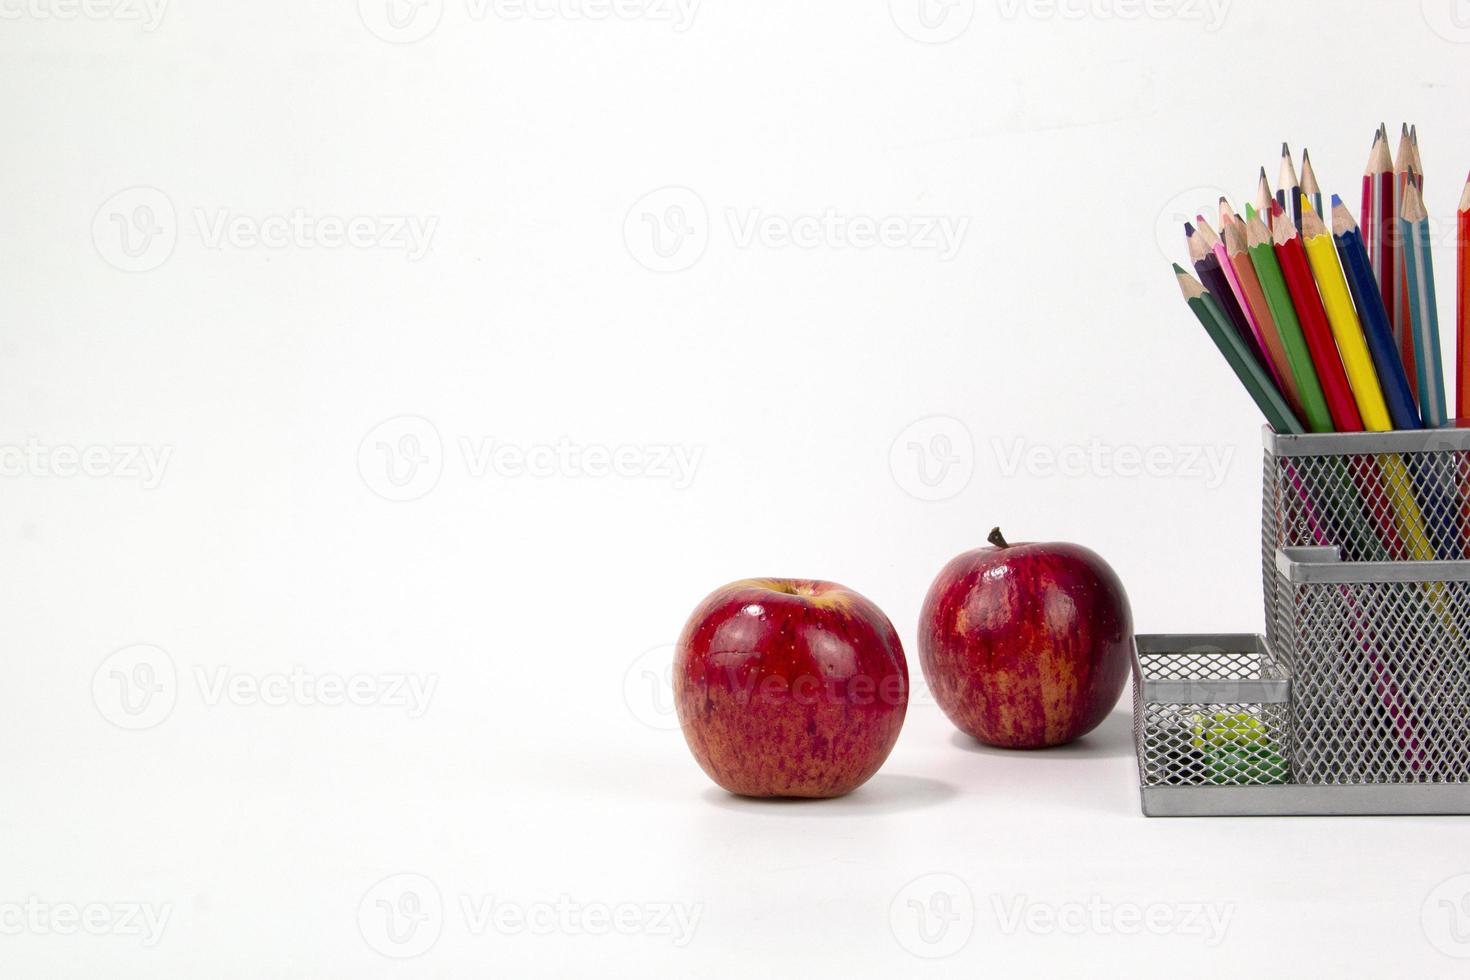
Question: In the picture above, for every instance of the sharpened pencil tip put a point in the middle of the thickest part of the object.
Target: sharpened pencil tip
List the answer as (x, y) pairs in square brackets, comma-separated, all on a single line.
[(1336, 200), (1178, 269), (1285, 150), (1250, 212), (1405, 131), (1188, 230)]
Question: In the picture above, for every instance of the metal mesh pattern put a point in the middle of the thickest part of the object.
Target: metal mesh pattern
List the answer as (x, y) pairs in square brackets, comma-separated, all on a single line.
[(1381, 680), (1196, 740), (1371, 506), (1409, 506)]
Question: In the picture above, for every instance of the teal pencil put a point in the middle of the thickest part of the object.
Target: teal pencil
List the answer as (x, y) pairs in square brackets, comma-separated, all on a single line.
[(1254, 377), (1423, 307)]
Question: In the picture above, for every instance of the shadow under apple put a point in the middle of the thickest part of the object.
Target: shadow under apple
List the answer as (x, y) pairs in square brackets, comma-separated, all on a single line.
[(1110, 740), (884, 793)]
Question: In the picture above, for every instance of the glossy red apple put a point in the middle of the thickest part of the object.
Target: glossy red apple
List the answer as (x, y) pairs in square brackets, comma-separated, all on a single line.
[(787, 687), (1026, 646)]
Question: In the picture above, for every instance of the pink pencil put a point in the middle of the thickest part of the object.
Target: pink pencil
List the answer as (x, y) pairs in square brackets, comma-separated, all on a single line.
[(1217, 245)]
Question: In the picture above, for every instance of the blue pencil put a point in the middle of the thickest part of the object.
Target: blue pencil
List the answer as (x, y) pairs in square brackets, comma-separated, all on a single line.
[(1376, 328)]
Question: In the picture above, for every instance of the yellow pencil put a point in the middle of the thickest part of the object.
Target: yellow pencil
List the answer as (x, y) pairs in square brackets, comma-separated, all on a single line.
[(1346, 328)]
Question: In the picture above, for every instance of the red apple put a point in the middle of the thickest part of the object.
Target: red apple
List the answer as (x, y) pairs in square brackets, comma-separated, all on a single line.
[(1026, 646), (787, 687)]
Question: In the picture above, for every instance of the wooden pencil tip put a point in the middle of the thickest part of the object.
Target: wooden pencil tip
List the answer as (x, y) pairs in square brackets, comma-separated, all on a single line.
[(1179, 269), (1336, 201), (1285, 150), (1188, 230)]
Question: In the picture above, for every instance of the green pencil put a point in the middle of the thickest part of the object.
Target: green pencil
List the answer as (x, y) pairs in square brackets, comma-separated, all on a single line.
[(1262, 389), (1278, 298)]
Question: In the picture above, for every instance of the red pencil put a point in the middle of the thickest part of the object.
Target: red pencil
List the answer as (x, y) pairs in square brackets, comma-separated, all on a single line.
[(1315, 326), (1403, 321), (1462, 313)]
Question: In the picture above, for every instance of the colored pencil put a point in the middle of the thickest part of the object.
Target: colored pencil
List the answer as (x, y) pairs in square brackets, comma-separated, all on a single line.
[(1380, 232), (1289, 188), (1402, 318), (1347, 330), (1310, 187), (1462, 306), (1255, 302), (1313, 319), (1416, 163), (1263, 256), (1424, 309), (1216, 273), (1264, 197), (1252, 376), (1403, 409)]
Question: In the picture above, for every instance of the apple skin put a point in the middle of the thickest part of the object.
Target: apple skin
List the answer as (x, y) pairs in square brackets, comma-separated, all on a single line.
[(1026, 646), (789, 687)]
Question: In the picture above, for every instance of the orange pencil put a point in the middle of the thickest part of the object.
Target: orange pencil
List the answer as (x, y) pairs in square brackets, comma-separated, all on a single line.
[(1237, 250)]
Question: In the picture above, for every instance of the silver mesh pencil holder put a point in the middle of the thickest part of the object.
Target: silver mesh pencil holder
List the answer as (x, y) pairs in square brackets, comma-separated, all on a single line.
[(1357, 699), (1380, 663)]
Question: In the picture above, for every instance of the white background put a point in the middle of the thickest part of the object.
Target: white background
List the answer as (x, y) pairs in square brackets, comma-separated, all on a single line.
[(541, 603)]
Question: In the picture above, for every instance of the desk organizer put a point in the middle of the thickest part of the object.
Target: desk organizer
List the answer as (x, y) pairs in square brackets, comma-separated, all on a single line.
[(1357, 699)]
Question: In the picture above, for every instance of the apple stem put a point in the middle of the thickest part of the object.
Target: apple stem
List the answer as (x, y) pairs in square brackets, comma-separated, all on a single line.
[(998, 539)]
